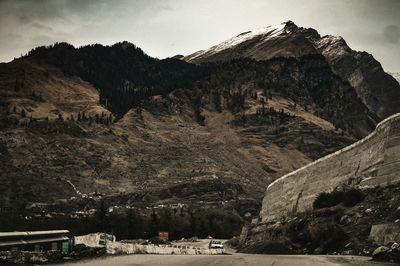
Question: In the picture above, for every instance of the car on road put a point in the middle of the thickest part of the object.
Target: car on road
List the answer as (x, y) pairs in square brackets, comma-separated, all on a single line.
[(215, 244)]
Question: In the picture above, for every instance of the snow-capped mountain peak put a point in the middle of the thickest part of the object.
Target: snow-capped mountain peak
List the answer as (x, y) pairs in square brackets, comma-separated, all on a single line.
[(265, 33), (360, 69)]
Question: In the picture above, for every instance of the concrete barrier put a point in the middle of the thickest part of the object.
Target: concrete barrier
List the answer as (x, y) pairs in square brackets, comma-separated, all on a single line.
[(114, 247), (129, 248), (372, 161), (94, 239)]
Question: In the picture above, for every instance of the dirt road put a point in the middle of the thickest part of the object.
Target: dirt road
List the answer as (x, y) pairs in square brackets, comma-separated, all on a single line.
[(235, 259)]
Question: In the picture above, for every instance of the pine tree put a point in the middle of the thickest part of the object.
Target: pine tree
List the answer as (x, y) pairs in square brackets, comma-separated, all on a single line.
[(154, 223), (263, 106), (16, 85)]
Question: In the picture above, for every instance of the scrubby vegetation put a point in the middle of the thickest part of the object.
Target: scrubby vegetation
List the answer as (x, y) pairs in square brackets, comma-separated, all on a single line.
[(136, 223), (348, 198), (142, 215)]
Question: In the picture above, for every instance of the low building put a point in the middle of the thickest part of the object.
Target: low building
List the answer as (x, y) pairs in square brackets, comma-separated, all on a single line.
[(36, 241)]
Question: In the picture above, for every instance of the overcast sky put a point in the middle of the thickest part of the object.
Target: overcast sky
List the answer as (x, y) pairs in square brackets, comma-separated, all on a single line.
[(168, 27)]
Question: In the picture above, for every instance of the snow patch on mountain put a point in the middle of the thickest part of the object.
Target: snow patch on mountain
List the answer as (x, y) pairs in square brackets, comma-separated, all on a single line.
[(269, 32)]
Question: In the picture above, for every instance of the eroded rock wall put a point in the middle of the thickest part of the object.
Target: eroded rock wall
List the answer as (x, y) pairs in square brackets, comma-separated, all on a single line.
[(372, 161)]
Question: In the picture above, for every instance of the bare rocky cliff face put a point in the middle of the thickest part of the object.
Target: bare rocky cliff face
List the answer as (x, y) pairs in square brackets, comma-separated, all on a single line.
[(378, 90)]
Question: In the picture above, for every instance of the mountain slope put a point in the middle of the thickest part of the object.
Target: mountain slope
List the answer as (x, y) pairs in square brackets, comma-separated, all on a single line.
[(82, 137), (377, 89), (52, 104)]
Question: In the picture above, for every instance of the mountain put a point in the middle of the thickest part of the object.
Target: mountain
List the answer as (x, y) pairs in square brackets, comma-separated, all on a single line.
[(378, 90), (92, 134)]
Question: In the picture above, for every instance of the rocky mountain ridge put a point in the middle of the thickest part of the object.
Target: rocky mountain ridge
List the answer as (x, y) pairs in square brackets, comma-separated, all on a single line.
[(378, 90)]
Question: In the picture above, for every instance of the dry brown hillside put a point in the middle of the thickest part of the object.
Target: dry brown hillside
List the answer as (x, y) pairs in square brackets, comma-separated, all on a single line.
[(204, 149), (152, 147)]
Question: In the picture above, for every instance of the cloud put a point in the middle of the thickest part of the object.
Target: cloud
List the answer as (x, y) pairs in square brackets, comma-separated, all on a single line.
[(392, 33), (30, 23), (168, 27)]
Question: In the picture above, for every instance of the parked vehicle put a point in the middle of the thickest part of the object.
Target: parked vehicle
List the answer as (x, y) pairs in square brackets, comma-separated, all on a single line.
[(215, 244)]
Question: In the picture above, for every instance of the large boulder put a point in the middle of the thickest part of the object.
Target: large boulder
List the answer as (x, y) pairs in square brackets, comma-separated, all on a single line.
[(380, 253), (384, 234)]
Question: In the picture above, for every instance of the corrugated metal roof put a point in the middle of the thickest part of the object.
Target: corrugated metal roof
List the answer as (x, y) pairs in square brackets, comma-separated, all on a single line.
[(50, 232), (6, 234), (33, 233)]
